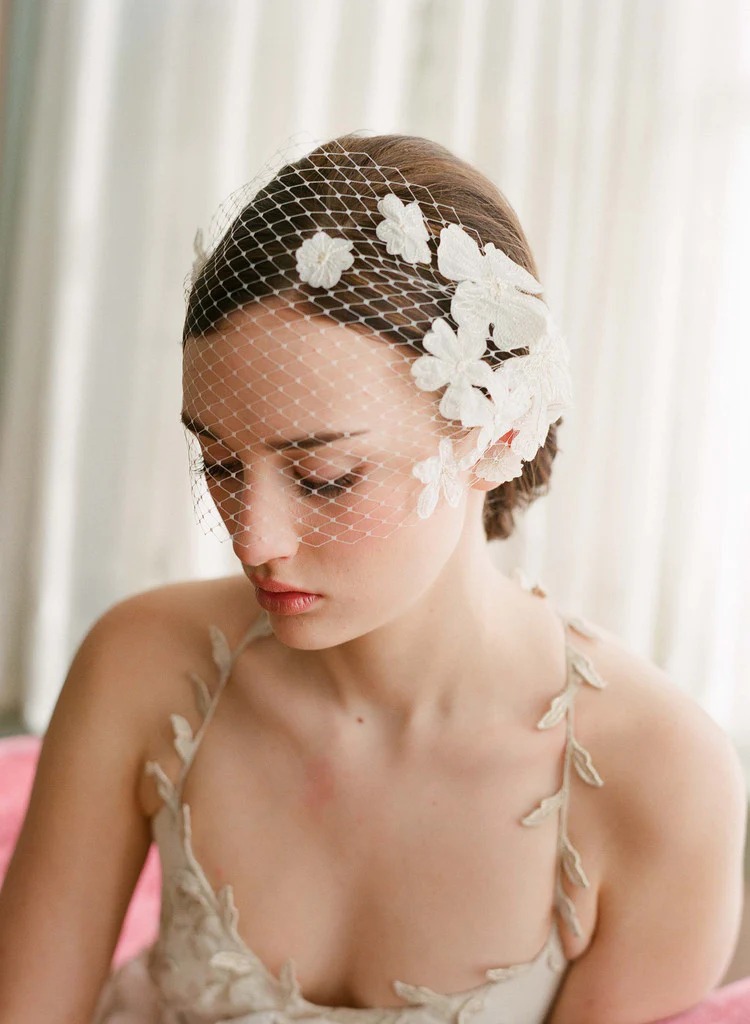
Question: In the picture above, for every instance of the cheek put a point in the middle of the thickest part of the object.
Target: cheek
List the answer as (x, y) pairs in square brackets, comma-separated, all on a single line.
[(405, 561)]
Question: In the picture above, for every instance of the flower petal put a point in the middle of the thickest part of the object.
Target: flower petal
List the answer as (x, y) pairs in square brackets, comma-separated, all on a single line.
[(403, 229), (520, 321), (458, 255), (471, 344), (503, 268), (430, 373), (427, 470), (470, 308), (442, 341), (427, 500), (460, 402), (322, 259)]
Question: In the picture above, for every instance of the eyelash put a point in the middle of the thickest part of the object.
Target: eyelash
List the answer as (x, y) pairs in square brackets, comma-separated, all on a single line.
[(319, 488)]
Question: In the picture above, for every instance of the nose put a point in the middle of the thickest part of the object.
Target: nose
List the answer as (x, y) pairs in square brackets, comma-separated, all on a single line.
[(261, 523)]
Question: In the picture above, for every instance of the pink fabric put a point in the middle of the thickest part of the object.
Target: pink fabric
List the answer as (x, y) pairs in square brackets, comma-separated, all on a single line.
[(729, 1004), (18, 755)]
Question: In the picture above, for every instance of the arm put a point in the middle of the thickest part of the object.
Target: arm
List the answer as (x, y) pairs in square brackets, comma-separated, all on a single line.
[(84, 839), (670, 909)]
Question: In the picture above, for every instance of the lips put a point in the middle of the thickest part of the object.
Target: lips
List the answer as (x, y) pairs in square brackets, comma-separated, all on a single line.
[(275, 587)]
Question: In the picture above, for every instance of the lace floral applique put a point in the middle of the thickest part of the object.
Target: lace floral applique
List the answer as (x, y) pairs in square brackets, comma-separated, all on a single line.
[(322, 259), (492, 289), (403, 229), (580, 670), (440, 472)]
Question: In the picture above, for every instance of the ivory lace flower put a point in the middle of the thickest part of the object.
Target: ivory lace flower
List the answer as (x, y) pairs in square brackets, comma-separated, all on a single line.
[(403, 229), (492, 290), (455, 360), (510, 400), (501, 465), (543, 374), (322, 259), (441, 472)]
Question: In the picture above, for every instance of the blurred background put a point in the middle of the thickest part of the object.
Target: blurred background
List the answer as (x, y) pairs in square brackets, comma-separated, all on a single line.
[(618, 129)]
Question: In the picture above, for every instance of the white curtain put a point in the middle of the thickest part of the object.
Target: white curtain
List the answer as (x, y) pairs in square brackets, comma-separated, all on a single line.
[(620, 132)]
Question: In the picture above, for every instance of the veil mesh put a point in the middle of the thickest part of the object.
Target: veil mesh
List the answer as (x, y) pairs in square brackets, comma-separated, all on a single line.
[(354, 356)]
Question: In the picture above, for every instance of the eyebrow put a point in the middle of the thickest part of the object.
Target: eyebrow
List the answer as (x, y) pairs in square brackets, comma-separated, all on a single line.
[(278, 444)]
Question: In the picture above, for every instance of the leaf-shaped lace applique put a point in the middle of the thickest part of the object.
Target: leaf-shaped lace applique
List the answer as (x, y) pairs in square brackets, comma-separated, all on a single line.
[(233, 961), (585, 670), (220, 650), (164, 784), (545, 808), (201, 692), (581, 626), (584, 765), (183, 737), (471, 1008), (558, 708), (186, 883), (503, 973), (288, 981), (227, 909), (567, 908), (421, 995), (571, 862)]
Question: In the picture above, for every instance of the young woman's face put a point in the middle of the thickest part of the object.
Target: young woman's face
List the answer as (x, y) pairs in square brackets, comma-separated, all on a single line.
[(337, 519)]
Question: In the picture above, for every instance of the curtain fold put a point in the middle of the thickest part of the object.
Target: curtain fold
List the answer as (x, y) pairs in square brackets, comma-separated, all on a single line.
[(619, 132)]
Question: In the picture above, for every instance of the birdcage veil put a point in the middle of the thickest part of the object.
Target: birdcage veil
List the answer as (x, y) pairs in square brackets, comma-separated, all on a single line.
[(354, 355)]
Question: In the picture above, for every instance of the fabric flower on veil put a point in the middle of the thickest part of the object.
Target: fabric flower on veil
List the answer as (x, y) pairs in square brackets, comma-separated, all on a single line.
[(403, 229), (543, 374), (441, 472), (510, 400), (454, 359), (322, 259), (491, 290)]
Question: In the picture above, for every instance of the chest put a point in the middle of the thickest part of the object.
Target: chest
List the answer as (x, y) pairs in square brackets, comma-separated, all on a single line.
[(364, 869)]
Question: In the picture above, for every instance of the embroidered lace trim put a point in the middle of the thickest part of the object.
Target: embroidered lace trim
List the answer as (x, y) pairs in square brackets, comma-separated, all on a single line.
[(239, 974)]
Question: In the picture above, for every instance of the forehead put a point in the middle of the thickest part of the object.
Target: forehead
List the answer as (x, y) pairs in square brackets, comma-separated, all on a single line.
[(273, 366)]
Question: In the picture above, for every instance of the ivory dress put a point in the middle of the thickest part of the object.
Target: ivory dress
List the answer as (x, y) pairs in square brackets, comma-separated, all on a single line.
[(199, 971)]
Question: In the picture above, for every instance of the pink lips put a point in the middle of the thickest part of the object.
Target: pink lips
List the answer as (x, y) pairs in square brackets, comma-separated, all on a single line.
[(281, 598), (286, 603), (274, 587)]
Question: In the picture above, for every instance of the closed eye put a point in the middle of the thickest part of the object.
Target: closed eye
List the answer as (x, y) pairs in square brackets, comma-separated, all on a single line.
[(308, 485)]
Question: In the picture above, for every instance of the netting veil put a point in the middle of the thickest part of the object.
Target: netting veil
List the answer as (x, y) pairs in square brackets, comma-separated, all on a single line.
[(354, 356)]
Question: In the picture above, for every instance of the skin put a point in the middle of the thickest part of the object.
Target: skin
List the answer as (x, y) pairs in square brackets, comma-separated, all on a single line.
[(365, 644), (362, 780)]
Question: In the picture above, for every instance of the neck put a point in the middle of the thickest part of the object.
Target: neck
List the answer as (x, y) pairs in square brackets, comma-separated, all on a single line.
[(440, 659)]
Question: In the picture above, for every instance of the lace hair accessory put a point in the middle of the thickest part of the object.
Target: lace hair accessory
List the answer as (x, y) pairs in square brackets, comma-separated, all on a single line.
[(356, 358)]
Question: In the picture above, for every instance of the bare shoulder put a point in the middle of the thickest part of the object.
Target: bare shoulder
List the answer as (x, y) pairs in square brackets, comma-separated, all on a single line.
[(165, 632), (167, 625), (655, 746), (226, 601), (673, 817)]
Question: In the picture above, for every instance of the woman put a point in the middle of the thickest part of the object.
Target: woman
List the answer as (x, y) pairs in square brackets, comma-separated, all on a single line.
[(409, 789)]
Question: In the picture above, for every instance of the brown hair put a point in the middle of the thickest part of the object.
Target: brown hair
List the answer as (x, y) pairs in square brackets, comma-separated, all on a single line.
[(255, 258)]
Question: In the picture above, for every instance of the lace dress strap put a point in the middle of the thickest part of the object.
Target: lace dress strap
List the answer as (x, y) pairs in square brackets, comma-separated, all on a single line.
[(186, 743), (579, 671)]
